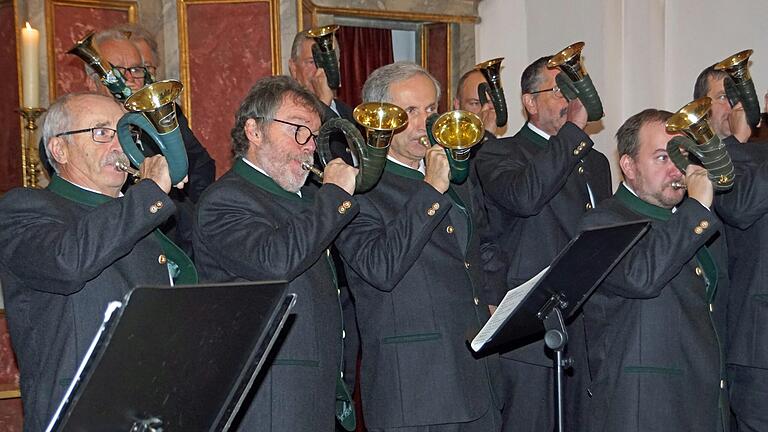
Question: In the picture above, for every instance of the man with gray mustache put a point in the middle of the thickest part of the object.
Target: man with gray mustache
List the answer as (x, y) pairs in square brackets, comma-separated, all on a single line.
[(72, 248), (537, 185)]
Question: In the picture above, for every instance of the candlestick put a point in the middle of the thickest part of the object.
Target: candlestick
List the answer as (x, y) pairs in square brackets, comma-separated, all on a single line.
[(29, 157), (30, 66)]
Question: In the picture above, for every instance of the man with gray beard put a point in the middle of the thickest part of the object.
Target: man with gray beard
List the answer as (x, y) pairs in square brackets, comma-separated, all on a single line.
[(258, 222)]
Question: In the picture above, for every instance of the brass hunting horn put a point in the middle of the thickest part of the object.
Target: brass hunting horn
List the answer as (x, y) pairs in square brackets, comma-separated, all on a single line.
[(324, 53), (457, 131), (153, 109), (574, 81), (381, 120), (491, 72), (739, 86), (701, 141), (109, 76)]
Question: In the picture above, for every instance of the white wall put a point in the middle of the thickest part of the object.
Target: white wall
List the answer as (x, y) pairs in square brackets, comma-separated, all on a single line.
[(639, 53)]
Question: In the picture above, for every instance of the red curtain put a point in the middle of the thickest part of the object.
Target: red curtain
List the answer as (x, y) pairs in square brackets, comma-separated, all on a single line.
[(362, 50)]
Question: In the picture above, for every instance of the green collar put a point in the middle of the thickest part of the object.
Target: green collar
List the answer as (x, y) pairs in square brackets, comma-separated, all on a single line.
[(262, 181), (528, 133), (67, 190), (639, 206), (403, 171)]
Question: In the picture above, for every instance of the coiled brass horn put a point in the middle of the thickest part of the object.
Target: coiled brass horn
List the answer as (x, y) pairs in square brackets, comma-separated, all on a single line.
[(574, 81), (381, 120), (109, 76), (491, 71), (457, 131), (153, 110), (324, 53), (739, 86), (701, 141)]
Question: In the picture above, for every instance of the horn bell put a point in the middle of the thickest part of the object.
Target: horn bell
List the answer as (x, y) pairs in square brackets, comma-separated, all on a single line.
[(693, 120), (569, 61), (380, 120), (156, 101), (458, 131), (736, 65)]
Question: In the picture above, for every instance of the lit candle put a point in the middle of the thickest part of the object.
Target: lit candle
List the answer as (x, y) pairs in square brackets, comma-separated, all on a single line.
[(30, 66)]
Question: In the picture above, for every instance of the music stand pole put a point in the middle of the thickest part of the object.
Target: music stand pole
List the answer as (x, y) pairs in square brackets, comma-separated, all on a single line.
[(556, 339)]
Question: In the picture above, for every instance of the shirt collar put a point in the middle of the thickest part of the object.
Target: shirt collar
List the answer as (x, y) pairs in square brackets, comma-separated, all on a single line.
[(538, 131), (421, 169)]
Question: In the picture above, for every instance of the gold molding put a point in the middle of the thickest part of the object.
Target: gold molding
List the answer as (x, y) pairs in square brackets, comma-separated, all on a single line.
[(388, 15), (181, 7), (449, 66), (129, 6)]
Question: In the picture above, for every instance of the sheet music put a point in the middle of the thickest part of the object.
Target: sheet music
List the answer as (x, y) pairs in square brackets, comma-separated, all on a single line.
[(111, 308), (506, 308)]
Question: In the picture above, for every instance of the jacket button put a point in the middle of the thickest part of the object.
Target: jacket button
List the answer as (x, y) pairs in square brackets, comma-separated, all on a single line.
[(576, 151), (449, 229), (159, 204), (153, 209), (466, 264), (589, 392), (346, 204), (436, 206), (431, 212), (477, 301), (698, 230), (699, 271), (581, 170), (341, 209), (588, 206), (162, 259), (704, 224)]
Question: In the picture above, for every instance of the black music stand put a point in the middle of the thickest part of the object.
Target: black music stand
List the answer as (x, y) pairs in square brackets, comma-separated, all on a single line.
[(176, 359), (557, 293)]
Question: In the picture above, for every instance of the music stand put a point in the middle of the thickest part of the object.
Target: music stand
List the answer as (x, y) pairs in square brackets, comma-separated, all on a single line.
[(557, 293), (176, 359)]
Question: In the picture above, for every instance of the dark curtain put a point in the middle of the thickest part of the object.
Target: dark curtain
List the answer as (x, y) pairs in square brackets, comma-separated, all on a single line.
[(362, 50)]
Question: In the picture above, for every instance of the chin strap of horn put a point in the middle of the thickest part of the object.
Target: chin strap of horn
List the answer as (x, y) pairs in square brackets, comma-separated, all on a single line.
[(153, 110), (457, 131), (739, 86), (109, 76), (324, 53), (700, 141), (380, 120), (491, 72), (574, 81)]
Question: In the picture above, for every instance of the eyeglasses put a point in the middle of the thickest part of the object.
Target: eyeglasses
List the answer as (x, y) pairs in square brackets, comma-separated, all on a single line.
[(136, 72), (302, 134), (555, 90), (98, 134)]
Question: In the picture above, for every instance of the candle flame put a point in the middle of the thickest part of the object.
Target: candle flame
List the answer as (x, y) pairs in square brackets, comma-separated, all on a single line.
[(29, 27)]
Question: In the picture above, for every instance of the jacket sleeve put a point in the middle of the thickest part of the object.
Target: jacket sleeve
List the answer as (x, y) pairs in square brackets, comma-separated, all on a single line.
[(255, 243), (59, 252), (660, 255), (524, 186), (382, 251), (747, 202)]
